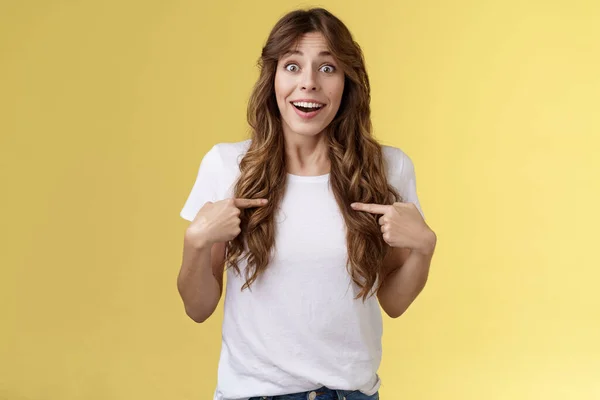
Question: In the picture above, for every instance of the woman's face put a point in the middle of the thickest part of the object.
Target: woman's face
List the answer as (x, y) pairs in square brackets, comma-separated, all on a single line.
[(308, 86)]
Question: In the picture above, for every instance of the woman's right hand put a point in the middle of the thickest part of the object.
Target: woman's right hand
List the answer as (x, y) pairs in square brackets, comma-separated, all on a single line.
[(219, 221)]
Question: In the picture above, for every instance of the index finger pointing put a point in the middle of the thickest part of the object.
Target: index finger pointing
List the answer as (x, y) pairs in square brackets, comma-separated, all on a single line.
[(371, 208), (248, 203)]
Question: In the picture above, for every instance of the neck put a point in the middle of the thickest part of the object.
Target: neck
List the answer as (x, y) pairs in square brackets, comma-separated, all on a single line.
[(306, 155)]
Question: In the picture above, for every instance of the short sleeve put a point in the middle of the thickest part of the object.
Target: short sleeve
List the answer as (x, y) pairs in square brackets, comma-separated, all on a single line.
[(408, 184), (206, 187), (401, 175)]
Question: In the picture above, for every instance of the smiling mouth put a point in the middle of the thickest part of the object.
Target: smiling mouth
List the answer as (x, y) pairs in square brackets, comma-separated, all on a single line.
[(308, 109)]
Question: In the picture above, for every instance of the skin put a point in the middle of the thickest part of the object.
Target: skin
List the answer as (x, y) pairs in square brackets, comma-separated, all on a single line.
[(308, 73), (406, 268), (200, 278)]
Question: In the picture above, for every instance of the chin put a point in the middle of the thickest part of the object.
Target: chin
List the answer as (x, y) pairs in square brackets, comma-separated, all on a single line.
[(307, 130), (311, 128)]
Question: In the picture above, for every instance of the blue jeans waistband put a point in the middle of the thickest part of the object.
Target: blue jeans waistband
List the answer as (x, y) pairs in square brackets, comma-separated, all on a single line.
[(322, 394)]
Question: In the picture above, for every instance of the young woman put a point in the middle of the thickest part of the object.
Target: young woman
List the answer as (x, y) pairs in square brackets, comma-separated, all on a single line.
[(318, 224)]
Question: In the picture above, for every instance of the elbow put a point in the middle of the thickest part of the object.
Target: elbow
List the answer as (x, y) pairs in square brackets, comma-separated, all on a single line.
[(196, 316), (198, 320), (193, 310), (394, 313), (398, 308)]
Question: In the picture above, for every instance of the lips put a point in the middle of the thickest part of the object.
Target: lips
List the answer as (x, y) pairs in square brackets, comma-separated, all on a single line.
[(307, 109), (306, 115)]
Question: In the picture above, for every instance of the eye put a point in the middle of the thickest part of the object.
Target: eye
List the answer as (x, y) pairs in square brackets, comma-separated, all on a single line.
[(331, 68), (288, 67)]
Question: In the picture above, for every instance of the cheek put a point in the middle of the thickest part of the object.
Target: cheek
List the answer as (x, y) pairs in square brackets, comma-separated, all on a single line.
[(277, 87), (340, 88), (336, 90), (282, 90)]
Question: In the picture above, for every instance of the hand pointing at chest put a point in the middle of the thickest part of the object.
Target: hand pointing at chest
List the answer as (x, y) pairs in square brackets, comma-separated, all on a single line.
[(220, 221), (401, 225)]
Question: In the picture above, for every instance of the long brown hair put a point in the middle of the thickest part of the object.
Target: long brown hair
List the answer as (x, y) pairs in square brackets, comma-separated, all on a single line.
[(357, 163)]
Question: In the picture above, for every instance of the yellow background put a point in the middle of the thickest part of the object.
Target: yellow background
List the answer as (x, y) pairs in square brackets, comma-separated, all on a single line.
[(108, 106)]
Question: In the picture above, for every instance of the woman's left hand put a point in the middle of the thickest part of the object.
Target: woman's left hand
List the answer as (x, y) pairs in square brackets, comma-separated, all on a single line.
[(402, 225)]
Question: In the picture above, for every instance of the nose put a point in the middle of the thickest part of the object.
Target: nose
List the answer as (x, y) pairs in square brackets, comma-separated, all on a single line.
[(308, 81)]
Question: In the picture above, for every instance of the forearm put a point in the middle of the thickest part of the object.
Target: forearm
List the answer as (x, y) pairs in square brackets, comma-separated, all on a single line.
[(402, 286), (198, 287)]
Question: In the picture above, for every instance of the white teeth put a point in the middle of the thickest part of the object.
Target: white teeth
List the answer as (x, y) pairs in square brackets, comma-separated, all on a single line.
[(307, 105)]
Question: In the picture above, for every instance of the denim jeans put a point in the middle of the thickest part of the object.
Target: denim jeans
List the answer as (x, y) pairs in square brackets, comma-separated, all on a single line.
[(322, 394)]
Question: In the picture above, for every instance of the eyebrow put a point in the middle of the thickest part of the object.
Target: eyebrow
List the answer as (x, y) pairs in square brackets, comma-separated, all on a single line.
[(298, 52)]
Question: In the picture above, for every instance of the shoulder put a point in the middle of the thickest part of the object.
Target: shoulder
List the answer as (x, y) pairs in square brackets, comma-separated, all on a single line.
[(224, 163), (227, 155), (398, 164), (400, 172)]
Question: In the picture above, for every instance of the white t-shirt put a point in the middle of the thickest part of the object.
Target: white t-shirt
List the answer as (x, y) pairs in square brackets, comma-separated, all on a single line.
[(298, 327)]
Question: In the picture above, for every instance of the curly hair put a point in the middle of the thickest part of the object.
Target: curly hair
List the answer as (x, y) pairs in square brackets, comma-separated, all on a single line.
[(357, 163)]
